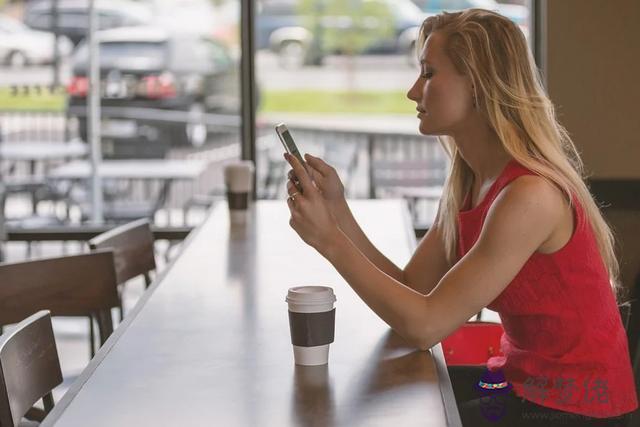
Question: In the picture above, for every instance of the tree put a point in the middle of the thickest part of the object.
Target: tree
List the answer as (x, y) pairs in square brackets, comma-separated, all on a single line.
[(346, 26)]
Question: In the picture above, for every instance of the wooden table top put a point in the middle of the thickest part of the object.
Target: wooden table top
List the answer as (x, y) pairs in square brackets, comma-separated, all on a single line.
[(209, 343)]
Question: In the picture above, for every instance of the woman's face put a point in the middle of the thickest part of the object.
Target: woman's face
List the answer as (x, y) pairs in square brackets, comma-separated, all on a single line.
[(444, 97)]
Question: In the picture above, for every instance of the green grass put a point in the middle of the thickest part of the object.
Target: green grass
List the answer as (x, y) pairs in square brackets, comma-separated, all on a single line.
[(323, 101), (19, 101)]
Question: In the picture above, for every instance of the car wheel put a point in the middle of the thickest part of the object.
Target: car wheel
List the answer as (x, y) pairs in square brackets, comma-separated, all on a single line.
[(17, 59), (196, 129), (291, 54)]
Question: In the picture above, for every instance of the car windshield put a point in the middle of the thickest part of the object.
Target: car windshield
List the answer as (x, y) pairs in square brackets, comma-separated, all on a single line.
[(127, 55)]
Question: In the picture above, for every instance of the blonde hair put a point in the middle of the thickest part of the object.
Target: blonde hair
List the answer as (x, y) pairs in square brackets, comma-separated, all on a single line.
[(492, 51)]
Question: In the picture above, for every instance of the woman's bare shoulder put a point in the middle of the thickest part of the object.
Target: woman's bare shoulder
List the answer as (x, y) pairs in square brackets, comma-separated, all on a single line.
[(540, 196)]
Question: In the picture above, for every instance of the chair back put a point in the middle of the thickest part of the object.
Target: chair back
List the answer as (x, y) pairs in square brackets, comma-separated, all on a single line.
[(29, 368), (472, 344), (77, 285), (132, 246), (3, 233)]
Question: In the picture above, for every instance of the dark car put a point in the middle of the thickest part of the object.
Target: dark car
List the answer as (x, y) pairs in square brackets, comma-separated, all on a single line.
[(73, 16), (291, 28), (145, 68)]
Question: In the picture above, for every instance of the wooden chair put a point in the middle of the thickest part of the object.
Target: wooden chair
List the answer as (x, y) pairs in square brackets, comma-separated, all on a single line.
[(132, 246), (29, 369), (78, 285), (3, 233)]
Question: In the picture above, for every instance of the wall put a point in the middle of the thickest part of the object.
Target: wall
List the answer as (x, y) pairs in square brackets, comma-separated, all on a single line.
[(592, 65)]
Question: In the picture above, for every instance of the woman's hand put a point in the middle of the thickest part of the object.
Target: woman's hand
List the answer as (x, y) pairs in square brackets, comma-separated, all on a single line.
[(326, 180), (311, 217)]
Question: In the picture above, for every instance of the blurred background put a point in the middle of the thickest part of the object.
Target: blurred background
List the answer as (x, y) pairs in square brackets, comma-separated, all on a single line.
[(335, 71)]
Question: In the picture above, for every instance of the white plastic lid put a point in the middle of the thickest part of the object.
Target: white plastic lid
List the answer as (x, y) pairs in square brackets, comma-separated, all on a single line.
[(310, 295)]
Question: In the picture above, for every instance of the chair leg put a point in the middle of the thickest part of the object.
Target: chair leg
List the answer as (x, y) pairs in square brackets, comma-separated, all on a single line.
[(92, 338), (121, 311), (105, 325), (47, 400), (147, 280)]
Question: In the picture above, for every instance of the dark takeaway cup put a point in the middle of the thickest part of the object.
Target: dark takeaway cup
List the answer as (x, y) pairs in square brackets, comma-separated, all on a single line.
[(238, 179), (312, 323)]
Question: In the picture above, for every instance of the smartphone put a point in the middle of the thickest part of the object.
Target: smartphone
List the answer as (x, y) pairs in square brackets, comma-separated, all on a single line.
[(288, 142)]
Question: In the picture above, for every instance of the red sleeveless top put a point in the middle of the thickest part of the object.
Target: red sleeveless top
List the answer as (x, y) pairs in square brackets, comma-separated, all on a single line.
[(564, 344)]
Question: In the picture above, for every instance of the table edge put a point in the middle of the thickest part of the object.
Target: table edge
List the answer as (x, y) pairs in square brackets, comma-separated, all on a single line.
[(444, 382), (60, 407)]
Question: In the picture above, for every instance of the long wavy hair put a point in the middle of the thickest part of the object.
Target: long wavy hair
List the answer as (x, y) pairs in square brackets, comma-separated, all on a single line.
[(492, 51)]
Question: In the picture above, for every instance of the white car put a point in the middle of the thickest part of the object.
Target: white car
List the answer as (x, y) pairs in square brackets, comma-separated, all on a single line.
[(21, 46)]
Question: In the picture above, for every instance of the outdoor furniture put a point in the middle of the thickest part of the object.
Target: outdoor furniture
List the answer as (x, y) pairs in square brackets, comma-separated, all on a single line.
[(133, 252), (35, 152), (209, 342), (41, 151), (165, 171), (29, 369), (79, 285)]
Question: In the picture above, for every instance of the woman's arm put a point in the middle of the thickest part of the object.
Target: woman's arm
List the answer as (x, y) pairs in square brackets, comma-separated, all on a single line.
[(425, 268), (525, 215), (522, 219), (427, 265)]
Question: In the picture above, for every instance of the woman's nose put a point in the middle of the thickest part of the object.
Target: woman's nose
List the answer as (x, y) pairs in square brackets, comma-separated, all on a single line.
[(414, 92)]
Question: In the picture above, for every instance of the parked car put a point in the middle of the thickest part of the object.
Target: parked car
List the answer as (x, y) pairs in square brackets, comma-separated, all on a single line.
[(283, 27), (21, 46), (149, 67), (73, 16)]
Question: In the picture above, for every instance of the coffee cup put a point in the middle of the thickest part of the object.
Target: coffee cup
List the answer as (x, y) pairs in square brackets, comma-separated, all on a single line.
[(311, 323), (238, 178)]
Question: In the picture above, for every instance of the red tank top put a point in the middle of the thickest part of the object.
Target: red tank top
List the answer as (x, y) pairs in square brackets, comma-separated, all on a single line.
[(564, 344)]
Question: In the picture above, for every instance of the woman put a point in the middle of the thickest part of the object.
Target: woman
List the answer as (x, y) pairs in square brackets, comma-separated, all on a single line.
[(516, 231)]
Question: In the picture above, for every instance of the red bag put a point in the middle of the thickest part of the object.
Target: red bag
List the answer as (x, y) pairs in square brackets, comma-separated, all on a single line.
[(473, 343)]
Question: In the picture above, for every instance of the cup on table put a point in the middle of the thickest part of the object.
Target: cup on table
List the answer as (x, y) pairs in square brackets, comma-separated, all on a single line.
[(311, 323), (238, 179)]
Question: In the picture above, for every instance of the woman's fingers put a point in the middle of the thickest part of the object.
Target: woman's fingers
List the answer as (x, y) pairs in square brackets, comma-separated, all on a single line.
[(292, 187), (300, 173), (317, 164)]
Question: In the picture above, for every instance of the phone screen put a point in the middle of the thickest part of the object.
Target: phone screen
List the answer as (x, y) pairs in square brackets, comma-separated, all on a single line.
[(289, 144)]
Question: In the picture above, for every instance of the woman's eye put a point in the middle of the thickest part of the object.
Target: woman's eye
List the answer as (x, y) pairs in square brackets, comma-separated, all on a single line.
[(426, 75)]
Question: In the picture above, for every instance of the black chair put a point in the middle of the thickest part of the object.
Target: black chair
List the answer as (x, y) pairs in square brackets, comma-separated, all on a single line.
[(633, 335), (29, 369)]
